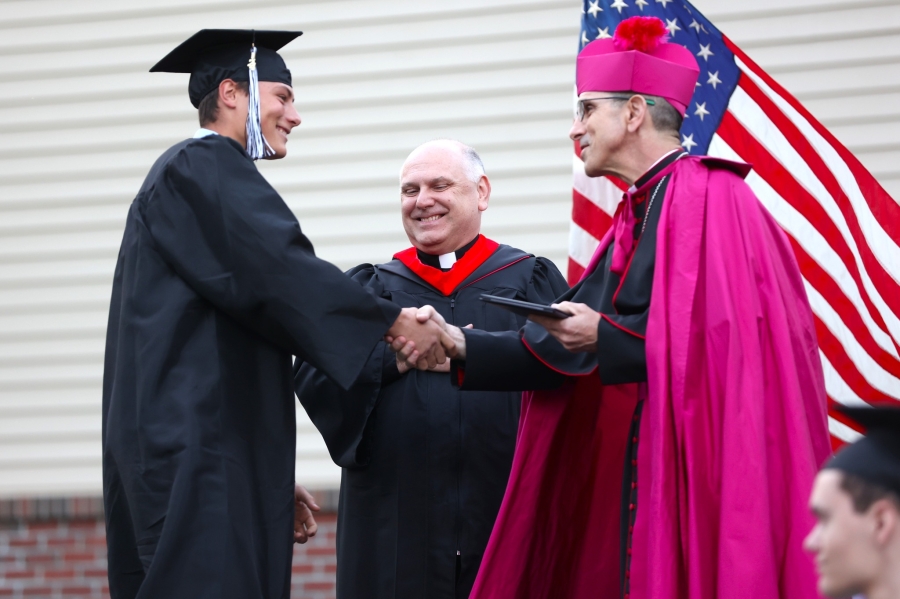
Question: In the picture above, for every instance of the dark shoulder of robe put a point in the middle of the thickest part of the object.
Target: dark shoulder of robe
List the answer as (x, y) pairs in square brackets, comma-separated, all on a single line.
[(508, 360), (215, 288), (424, 464)]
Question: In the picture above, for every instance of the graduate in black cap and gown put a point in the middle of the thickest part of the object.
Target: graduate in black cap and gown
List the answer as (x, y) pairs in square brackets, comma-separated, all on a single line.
[(215, 289), (856, 502)]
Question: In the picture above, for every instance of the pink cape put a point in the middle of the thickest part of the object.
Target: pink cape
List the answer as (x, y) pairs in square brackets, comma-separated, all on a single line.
[(733, 431)]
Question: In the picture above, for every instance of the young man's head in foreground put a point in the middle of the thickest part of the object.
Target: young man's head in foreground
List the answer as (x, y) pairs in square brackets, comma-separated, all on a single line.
[(856, 502)]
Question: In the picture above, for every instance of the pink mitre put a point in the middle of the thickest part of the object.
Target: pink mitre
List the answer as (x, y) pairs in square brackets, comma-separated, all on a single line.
[(639, 59)]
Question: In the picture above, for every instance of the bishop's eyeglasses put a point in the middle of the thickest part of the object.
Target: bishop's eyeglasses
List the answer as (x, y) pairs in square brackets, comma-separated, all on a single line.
[(580, 108)]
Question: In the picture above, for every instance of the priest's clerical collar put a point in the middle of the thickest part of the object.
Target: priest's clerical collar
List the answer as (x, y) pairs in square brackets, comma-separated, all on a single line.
[(876, 457), (657, 167), (445, 261)]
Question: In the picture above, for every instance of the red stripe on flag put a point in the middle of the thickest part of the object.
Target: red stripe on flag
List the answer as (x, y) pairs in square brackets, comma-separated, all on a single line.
[(589, 216), (837, 355), (575, 272), (883, 281), (776, 175), (833, 405), (882, 205), (829, 289), (736, 136), (832, 408)]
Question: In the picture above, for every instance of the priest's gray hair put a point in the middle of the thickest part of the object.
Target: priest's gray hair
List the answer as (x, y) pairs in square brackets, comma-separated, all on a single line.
[(473, 164)]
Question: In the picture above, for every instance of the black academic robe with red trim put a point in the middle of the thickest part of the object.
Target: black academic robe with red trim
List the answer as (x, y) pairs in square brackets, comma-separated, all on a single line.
[(424, 464)]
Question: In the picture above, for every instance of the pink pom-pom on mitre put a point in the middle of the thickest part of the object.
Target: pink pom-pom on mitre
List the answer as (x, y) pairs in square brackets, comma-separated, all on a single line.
[(643, 34)]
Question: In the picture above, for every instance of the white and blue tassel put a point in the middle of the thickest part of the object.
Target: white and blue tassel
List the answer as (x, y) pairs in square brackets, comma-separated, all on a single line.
[(257, 146)]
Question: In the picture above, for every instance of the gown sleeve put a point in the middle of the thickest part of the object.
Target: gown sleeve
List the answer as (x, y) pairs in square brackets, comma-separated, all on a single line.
[(621, 348), (341, 415), (499, 361), (547, 283), (234, 241)]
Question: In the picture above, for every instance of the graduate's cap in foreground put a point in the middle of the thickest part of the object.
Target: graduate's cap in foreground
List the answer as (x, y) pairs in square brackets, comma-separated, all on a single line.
[(213, 55), (639, 58), (876, 457)]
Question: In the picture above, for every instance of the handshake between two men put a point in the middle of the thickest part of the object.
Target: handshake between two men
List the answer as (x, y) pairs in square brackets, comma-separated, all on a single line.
[(422, 338)]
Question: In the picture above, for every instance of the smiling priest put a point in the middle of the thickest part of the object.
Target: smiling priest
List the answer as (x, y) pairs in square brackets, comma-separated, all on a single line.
[(425, 464)]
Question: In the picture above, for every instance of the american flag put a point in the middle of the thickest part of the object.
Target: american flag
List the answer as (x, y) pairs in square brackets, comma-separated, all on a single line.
[(845, 229)]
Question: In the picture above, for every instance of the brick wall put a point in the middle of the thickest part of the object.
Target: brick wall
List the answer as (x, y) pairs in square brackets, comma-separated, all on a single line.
[(314, 563), (56, 549)]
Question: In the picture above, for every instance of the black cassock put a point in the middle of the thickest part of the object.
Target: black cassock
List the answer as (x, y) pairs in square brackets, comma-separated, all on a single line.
[(215, 289), (425, 465)]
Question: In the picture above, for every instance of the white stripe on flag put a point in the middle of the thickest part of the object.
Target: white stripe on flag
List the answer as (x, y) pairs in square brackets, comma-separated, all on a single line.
[(755, 121), (599, 190), (835, 386), (758, 124), (876, 376), (842, 431), (883, 247), (582, 245), (799, 227)]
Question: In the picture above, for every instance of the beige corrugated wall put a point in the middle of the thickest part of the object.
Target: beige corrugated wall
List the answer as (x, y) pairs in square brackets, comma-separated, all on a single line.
[(81, 121)]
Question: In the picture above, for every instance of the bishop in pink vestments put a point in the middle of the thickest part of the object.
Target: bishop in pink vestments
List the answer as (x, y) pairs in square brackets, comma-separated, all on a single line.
[(674, 423)]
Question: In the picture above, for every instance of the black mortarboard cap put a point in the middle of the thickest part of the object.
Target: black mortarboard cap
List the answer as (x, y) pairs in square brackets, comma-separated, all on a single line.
[(876, 457), (213, 55)]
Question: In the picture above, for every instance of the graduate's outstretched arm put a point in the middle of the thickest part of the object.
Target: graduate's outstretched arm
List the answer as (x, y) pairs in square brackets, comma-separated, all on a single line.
[(578, 333), (304, 524), (217, 223)]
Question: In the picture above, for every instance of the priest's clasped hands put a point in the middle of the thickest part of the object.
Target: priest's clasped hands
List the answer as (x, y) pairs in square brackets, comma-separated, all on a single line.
[(424, 340)]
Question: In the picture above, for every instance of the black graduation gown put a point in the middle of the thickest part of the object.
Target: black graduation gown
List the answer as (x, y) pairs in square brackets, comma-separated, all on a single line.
[(424, 465), (215, 288)]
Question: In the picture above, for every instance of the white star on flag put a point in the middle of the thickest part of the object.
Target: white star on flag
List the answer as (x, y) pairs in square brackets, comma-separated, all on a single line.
[(705, 52), (594, 8), (701, 110), (695, 25), (689, 142), (641, 4), (619, 5), (672, 26), (584, 39), (664, 2), (714, 79), (602, 33)]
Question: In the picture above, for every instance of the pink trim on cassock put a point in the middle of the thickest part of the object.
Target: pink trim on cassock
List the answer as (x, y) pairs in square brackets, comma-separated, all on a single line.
[(620, 327), (733, 429)]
